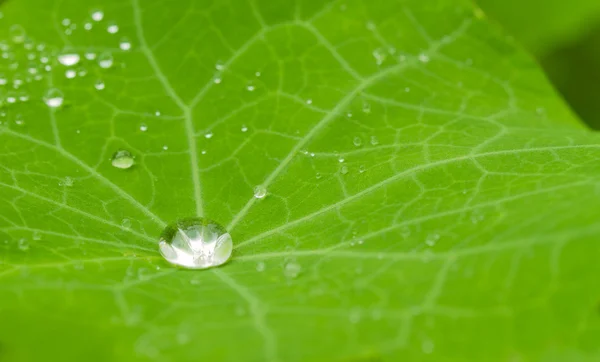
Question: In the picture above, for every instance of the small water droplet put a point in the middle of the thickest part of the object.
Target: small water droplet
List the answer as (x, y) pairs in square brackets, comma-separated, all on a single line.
[(344, 170), (292, 269), (366, 108), (257, 74), (81, 71), (90, 55), (53, 98), (219, 66), (379, 55), (66, 22), (112, 28), (97, 15), (36, 236), (67, 181), (68, 59), (122, 159), (87, 25), (361, 168), (99, 85), (208, 135), (105, 60), (217, 80), (125, 44), (260, 266), (244, 128), (260, 192), (309, 101), (357, 141), (341, 160), (23, 244), (195, 243), (143, 127), (423, 58), (19, 121), (17, 33), (374, 140), (250, 88), (432, 239), (70, 74), (165, 147)]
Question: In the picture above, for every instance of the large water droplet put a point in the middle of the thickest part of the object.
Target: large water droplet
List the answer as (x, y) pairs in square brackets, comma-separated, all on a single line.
[(195, 243), (53, 98), (122, 159)]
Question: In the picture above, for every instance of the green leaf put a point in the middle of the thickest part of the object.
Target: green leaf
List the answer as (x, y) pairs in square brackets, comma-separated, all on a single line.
[(544, 25), (462, 224)]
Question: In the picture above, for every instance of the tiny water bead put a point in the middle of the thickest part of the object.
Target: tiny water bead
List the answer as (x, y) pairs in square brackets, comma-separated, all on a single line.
[(195, 243), (97, 15), (53, 98), (122, 159), (125, 44), (260, 192), (99, 85), (105, 60), (68, 59)]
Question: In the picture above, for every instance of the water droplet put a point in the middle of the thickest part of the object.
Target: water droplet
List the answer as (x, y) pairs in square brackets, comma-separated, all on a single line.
[(357, 141), (90, 55), (112, 28), (374, 140), (208, 135), (87, 26), (379, 55), (250, 88), (99, 85), (361, 168), (53, 98), (165, 147), (143, 127), (366, 107), (219, 66), (122, 159), (432, 239), (105, 60), (23, 244), (217, 80), (260, 266), (81, 71), (344, 170), (66, 22), (97, 15), (195, 243), (68, 59), (292, 269), (36, 236), (19, 121), (70, 74), (309, 101), (423, 58), (244, 128), (125, 44), (260, 192), (341, 160), (67, 181), (17, 33)]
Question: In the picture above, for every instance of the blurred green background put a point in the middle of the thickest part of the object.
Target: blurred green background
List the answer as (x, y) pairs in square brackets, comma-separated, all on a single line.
[(564, 36)]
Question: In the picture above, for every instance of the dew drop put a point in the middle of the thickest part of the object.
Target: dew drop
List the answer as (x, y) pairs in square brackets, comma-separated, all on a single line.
[(97, 15), (423, 58), (99, 85), (87, 26), (70, 74), (143, 127), (125, 44), (122, 159), (357, 141), (361, 168), (195, 243), (374, 140), (432, 239), (68, 59), (90, 55), (105, 60), (23, 244), (36, 236), (112, 28), (244, 128), (208, 135), (344, 170), (260, 192), (292, 269), (53, 98), (67, 182), (341, 160), (217, 80), (260, 266), (309, 101), (379, 55), (250, 87), (17, 33), (66, 22), (257, 74), (219, 66), (366, 108)]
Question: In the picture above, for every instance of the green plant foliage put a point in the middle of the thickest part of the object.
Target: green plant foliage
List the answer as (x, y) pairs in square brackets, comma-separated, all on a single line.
[(428, 196)]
